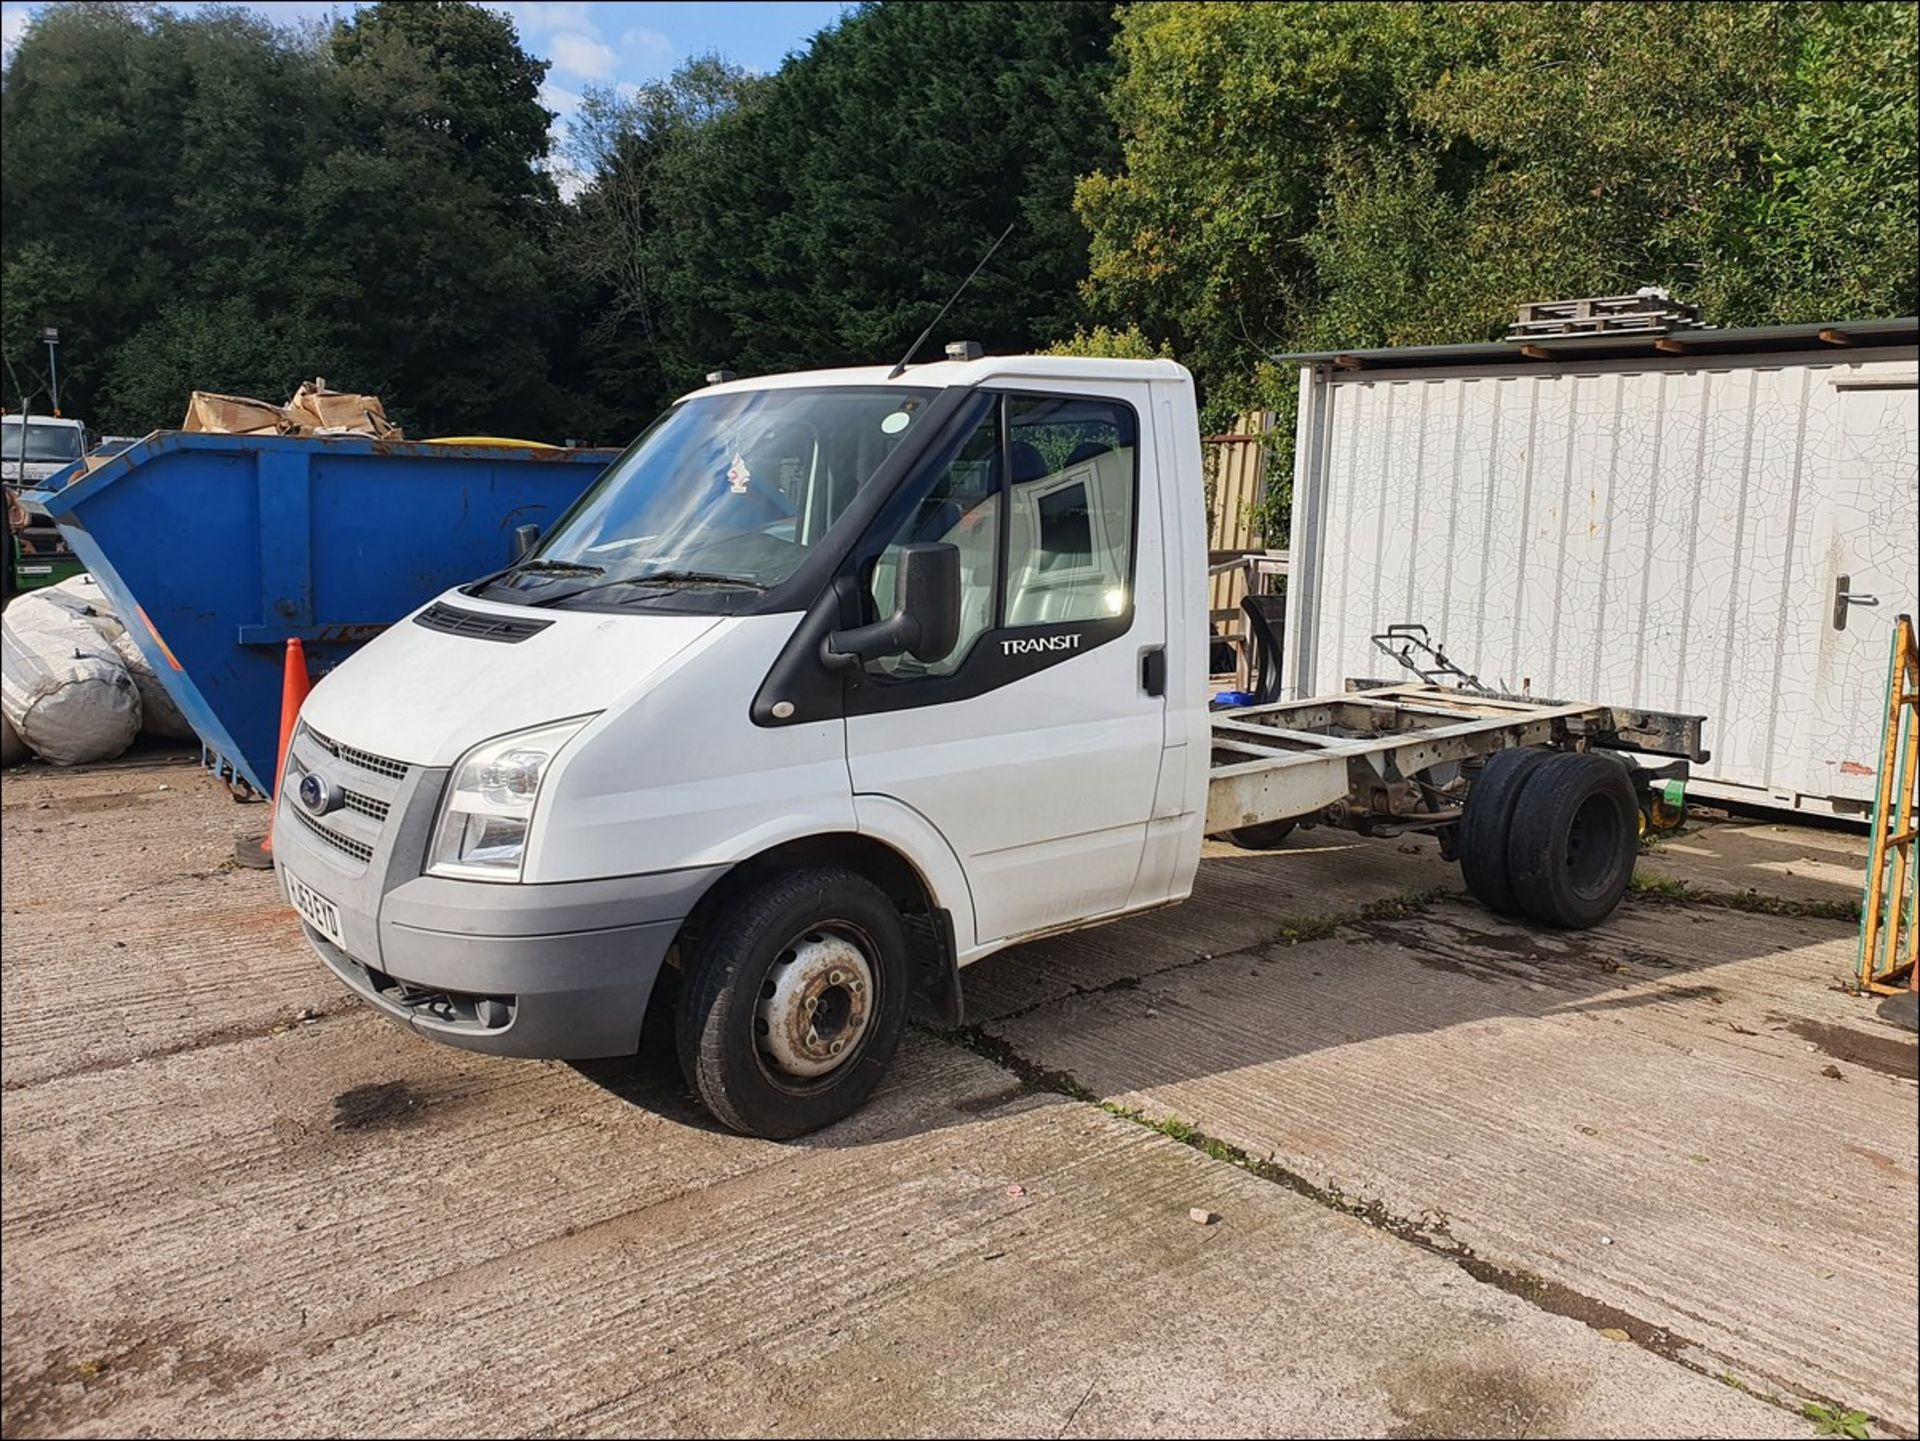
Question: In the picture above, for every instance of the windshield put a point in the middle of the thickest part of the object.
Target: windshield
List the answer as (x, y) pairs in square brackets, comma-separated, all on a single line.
[(723, 493), (44, 442)]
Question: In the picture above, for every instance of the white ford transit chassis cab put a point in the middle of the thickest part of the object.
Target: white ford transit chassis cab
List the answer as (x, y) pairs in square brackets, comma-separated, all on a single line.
[(835, 683)]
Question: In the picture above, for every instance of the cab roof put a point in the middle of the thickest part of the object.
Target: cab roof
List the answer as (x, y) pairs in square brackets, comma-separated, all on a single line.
[(67, 420), (938, 374)]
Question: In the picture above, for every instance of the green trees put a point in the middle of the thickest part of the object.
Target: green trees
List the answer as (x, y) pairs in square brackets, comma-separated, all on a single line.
[(213, 201), (1232, 119), (1311, 174), (1757, 159), (427, 226), (637, 156), (820, 215), (148, 160), (824, 216)]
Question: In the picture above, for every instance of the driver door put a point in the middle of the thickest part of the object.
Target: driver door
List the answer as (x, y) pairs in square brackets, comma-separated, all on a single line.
[(1034, 747)]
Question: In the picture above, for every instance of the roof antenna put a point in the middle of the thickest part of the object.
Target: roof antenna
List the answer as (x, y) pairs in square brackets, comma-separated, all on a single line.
[(911, 349)]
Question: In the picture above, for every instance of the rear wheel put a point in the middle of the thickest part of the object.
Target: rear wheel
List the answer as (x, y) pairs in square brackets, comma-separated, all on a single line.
[(1484, 828), (1571, 849), (792, 1010), (1263, 837)]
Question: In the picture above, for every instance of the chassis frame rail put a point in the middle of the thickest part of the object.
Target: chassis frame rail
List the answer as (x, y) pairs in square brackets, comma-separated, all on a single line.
[(1357, 759)]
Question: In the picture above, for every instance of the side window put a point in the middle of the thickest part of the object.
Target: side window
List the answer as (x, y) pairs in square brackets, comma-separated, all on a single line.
[(962, 509), (1070, 546)]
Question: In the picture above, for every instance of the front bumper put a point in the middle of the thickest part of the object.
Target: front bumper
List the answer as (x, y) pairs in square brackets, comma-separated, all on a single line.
[(565, 994), (506, 973), (561, 971)]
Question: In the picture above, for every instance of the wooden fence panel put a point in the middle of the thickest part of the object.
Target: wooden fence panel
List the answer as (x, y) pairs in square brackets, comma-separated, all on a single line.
[(1235, 465)]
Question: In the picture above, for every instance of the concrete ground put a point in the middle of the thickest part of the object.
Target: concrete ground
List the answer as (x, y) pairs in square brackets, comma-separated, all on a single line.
[(1821, 866), (1469, 1180)]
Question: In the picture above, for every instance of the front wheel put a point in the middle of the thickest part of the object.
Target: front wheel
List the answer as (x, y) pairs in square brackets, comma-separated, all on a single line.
[(794, 1006)]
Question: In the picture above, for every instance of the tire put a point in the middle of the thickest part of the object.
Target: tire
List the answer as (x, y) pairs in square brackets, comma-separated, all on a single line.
[(1571, 849), (776, 946), (1263, 837), (1487, 823)]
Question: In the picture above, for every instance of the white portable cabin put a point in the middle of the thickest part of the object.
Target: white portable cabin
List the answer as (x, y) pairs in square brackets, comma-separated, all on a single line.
[(1697, 521)]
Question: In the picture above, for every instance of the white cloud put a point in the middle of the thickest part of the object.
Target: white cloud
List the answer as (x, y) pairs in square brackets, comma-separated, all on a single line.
[(13, 24), (578, 55), (284, 10), (537, 17), (648, 49), (560, 99)]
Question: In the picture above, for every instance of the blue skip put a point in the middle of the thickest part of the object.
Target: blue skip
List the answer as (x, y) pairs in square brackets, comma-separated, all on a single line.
[(217, 549)]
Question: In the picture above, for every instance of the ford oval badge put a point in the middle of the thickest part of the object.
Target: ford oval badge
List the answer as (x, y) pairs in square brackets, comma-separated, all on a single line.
[(315, 794)]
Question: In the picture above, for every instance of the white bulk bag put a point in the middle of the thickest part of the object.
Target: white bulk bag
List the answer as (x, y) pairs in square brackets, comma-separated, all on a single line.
[(80, 597), (158, 714), (62, 685)]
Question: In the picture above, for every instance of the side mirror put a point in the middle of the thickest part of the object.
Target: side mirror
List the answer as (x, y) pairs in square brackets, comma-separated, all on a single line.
[(926, 613), (525, 538)]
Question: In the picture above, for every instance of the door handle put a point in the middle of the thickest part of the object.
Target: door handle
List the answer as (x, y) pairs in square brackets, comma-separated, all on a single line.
[(1843, 597), (1153, 671)]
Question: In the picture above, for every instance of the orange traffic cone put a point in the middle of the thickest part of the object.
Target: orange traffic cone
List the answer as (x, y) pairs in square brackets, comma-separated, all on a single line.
[(294, 685)]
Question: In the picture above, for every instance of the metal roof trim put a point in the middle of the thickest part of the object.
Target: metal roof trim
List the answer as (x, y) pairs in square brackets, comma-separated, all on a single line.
[(1833, 337)]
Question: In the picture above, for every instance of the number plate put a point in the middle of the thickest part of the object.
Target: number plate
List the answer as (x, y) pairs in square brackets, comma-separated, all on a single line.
[(315, 909)]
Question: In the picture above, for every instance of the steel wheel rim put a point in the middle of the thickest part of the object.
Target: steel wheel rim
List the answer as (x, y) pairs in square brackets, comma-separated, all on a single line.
[(1592, 838), (816, 1004)]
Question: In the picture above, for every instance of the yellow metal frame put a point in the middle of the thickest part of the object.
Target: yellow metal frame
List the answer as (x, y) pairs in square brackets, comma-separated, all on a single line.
[(1890, 915)]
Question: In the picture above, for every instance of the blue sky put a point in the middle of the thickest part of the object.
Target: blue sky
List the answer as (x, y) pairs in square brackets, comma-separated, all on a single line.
[(615, 42), (629, 42)]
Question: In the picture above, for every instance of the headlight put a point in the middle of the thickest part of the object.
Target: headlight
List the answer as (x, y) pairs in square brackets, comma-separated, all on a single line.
[(482, 833)]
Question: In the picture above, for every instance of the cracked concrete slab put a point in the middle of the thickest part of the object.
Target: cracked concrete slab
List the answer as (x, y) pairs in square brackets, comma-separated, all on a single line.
[(222, 1220), (1677, 1114), (1240, 898), (519, 1249), (1764, 858), (102, 866)]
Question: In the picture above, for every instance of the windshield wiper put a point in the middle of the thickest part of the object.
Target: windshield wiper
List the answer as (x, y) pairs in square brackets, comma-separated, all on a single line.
[(544, 567), (556, 567), (694, 577), (653, 577)]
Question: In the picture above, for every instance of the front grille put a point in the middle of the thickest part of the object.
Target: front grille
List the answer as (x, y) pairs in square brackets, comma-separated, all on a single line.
[(360, 851), (479, 625), (366, 805), (366, 760)]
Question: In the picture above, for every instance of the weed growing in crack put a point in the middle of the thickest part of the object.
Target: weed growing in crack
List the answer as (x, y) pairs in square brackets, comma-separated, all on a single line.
[(1836, 1421), (1388, 908), (1647, 886)]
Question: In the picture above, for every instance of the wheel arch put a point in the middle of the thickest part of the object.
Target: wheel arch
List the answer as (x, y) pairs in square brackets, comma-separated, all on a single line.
[(930, 926)]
